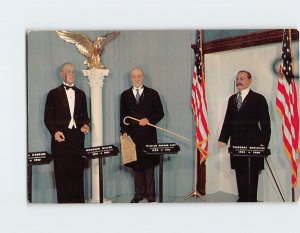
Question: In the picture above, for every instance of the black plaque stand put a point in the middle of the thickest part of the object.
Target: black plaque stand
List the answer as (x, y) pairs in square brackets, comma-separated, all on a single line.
[(161, 149), (251, 152), (35, 158), (99, 153)]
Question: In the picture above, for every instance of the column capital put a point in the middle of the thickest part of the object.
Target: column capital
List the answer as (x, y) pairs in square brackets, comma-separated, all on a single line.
[(95, 76)]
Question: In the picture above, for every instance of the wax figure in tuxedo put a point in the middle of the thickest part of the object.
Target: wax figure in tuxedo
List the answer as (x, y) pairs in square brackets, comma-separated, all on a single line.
[(67, 120), (142, 103), (246, 123)]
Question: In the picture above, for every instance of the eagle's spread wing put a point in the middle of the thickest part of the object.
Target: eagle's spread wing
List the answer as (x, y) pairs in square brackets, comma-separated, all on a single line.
[(109, 37), (82, 42)]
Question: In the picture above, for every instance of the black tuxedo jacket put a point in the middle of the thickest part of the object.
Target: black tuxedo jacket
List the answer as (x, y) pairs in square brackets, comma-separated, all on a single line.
[(250, 126), (150, 107), (57, 114)]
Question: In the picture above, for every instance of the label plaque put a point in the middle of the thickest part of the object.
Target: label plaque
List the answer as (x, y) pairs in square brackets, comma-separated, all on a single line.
[(39, 158), (100, 151), (161, 148), (253, 151)]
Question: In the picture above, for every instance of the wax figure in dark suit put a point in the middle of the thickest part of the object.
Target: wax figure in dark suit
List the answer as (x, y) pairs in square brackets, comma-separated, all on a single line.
[(67, 120), (149, 109), (246, 123)]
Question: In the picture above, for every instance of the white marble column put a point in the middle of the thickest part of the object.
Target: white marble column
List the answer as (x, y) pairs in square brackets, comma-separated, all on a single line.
[(96, 77)]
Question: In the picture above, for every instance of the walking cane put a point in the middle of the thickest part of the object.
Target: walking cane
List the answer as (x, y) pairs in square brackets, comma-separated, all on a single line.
[(168, 131)]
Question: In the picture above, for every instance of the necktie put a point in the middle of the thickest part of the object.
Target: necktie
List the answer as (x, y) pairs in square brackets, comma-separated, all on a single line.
[(239, 100), (68, 87), (137, 97)]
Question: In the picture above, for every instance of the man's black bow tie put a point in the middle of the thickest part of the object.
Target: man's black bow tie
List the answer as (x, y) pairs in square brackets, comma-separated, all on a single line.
[(68, 87)]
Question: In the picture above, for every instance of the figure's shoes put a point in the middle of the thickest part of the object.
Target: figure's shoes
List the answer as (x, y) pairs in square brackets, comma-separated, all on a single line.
[(240, 200), (135, 200), (151, 201)]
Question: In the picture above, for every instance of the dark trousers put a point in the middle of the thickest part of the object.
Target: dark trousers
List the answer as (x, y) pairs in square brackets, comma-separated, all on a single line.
[(69, 179), (144, 184), (247, 184), (68, 168)]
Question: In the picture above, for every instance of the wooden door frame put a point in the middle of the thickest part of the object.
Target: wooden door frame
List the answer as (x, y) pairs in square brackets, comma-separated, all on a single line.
[(246, 40)]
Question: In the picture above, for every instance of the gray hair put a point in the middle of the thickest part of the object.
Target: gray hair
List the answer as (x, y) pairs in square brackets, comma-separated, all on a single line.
[(247, 72), (63, 65), (137, 68)]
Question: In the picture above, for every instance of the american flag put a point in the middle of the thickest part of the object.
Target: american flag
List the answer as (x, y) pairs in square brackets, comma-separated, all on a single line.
[(199, 105), (287, 105)]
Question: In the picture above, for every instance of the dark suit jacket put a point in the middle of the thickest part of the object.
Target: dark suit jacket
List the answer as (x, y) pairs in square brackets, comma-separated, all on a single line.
[(250, 126), (57, 114), (149, 107)]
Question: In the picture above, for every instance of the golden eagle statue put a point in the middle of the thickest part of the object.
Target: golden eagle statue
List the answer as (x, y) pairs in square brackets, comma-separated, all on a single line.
[(91, 50)]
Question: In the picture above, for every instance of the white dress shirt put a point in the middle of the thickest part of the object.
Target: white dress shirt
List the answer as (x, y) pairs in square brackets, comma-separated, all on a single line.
[(134, 90), (245, 93), (71, 100)]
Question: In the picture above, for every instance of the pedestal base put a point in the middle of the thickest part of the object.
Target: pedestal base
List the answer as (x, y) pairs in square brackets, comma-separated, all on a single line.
[(105, 201), (194, 194)]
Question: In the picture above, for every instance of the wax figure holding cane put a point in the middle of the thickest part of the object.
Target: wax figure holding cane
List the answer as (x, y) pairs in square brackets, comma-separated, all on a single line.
[(246, 123), (142, 103), (67, 120)]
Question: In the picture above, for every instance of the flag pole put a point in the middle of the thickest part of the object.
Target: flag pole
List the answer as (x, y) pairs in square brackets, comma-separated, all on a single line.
[(195, 193), (290, 35), (281, 194)]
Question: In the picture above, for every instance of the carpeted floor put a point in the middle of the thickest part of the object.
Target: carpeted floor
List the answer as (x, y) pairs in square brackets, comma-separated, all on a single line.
[(209, 198)]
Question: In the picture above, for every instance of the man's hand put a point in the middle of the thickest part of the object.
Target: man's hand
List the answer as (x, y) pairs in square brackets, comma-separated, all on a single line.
[(59, 136), (85, 129), (222, 144), (143, 122)]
